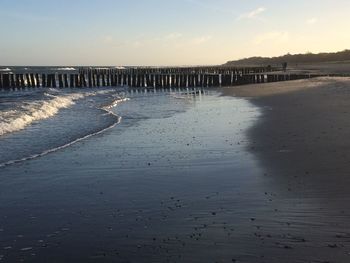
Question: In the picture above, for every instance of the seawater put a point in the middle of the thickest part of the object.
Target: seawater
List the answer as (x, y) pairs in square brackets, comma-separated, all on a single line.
[(36, 122), (173, 161)]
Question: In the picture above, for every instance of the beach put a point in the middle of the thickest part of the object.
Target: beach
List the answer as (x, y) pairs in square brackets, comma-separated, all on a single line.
[(301, 143), (188, 131), (256, 173)]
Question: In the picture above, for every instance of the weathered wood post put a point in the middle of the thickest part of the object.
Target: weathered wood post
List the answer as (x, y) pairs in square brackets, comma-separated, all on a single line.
[(65, 78), (54, 80), (17, 82), (98, 83), (90, 79), (76, 80), (6, 81), (12, 81), (28, 81), (83, 80), (60, 81), (32, 80), (43, 80), (38, 84), (103, 80), (71, 80)]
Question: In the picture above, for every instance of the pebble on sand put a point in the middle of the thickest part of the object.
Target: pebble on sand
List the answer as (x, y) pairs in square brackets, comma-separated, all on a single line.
[(26, 248)]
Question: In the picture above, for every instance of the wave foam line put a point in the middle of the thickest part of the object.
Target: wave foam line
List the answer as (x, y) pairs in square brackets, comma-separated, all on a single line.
[(15, 120), (18, 119), (34, 156), (66, 69)]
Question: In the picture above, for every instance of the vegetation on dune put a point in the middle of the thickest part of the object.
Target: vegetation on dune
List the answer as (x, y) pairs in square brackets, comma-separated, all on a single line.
[(293, 59)]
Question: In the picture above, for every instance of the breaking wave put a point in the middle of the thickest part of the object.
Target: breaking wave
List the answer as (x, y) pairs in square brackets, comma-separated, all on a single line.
[(66, 69), (17, 119), (55, 104)]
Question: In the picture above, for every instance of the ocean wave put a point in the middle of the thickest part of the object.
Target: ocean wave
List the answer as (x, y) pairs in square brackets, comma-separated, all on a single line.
[(19, 118), (55, 149), (5, 69), (114, 103), (34, 156), (66, 69), (28, 112)]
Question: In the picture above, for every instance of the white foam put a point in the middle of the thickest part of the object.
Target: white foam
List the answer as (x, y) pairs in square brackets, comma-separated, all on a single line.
[(114, 103), (5, 69), (66, 69), (18, 119), (34, 156)]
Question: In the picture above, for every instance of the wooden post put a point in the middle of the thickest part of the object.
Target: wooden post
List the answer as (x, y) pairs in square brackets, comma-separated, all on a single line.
[(113, 81), (98, 83), (37, 80), (108, 80), (18, 81), (43, 80), (6, 81), (82, 80), (65, 77), (90, 79), (29, 81), (54, 80), (22, 83), (76, 80), (103, 80), (71, 80), (12, 81), (60, 81), (94, 82), (32, 80)]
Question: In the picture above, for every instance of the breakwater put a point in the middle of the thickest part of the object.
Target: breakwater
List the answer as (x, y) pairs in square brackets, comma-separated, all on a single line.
[(146, 77)]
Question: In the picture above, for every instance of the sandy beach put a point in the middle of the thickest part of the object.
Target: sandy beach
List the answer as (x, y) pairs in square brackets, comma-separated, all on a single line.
[(303, 129), (301, 141)]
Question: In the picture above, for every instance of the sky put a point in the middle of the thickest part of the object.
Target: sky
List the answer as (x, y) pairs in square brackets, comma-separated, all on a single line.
[(167, 32)]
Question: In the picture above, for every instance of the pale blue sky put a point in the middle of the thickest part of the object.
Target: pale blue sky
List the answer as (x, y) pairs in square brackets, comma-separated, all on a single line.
[(166, 32)]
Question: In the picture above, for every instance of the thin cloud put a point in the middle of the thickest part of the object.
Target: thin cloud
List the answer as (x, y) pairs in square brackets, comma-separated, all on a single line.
[(108, 39), (200, 40), (172, 36), (312, 21), (253, 14), (274, 37)]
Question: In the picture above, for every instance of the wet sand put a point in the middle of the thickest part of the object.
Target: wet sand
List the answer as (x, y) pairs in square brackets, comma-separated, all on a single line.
[(302, 142), (223, 179)]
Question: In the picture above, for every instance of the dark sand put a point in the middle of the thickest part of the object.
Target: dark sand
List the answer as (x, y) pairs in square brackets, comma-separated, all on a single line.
[(210, 183), (302, 140)]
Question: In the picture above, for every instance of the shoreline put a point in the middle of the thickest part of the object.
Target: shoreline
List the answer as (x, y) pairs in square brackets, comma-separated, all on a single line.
[(301, 142), (304, 125)]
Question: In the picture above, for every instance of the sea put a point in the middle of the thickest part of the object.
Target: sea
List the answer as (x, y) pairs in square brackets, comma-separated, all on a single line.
[(40, 121), (95, 174)]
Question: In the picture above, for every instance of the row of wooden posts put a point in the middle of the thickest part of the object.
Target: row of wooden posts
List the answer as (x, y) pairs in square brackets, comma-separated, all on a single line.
[(149, 78)]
